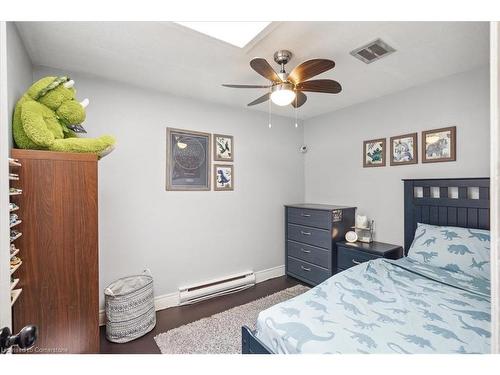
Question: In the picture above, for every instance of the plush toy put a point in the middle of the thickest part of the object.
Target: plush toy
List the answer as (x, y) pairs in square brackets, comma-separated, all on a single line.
[(48, 117)]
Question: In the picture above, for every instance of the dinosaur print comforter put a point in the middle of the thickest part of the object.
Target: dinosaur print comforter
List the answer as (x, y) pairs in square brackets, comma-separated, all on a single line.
[(384, 306)]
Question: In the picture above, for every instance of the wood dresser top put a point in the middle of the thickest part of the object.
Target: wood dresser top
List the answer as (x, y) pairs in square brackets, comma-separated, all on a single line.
[(51, 155), (314, 206)]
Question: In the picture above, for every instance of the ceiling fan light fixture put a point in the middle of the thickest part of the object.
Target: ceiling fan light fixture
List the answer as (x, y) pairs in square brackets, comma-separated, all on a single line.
[(282, 94), (288, 88)]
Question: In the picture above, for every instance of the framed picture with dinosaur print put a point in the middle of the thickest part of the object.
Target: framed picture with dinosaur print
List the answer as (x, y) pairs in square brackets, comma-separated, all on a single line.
[(223, 147), (439, 145), (223, 177), (404, 149), (374, 153)]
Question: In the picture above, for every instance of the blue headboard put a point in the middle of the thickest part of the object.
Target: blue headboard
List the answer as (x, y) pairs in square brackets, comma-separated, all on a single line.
[(458, 202)]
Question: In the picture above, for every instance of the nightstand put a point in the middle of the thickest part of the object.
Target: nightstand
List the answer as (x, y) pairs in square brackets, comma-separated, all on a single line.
[(351, 254)]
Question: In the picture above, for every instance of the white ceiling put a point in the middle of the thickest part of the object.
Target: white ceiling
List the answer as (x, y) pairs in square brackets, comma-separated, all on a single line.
[(171, 58)]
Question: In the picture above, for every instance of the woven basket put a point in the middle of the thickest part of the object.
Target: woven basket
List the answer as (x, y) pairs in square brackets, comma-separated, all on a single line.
[(130, 309)]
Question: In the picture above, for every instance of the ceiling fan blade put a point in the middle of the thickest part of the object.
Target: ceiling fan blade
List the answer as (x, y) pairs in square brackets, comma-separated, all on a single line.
[(309, 69), (300, 99), (328, 86), (246, 86), (262, 67), (261, 99)]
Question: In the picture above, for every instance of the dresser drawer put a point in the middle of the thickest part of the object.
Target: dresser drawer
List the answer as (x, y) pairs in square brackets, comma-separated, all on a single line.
[(311, 236), (310, 254), (348, 257), (311, 218), (308, 271)]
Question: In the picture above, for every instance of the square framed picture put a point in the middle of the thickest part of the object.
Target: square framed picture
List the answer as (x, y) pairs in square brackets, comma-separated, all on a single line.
[(223, 147), (188, 160), (374, 153), (439, 145), (223, 177), (404, 149)]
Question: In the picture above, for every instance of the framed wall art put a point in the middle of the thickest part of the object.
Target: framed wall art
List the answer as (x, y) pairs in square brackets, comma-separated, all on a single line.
[(439, 145), (223, 147), (188, 160), (404, 149), (374, 153), (223, 177)]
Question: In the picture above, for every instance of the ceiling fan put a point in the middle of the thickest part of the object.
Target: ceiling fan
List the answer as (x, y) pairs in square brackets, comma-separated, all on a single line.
[(288, 88)]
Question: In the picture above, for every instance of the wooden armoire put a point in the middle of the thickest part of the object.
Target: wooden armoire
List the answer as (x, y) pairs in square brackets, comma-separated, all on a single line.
[(59, 275)]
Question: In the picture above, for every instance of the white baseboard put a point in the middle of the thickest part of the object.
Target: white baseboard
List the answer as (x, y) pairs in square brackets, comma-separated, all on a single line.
[(270, 273), (172, 299)]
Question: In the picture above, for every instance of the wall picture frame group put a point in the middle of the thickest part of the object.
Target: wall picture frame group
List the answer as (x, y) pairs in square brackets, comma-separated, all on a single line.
[(188, 160), (438, 145)]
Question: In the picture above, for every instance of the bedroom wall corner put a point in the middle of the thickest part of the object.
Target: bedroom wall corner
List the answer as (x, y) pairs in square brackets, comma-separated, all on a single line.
[(333, 165), (5, 310), (16, 75), (19, 72), (184, 236)]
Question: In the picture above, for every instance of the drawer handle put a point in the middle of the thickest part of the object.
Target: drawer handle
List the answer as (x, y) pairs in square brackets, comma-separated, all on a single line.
[(305, 251), (356, 262), (305, 233), (305, 215), (305, 269)]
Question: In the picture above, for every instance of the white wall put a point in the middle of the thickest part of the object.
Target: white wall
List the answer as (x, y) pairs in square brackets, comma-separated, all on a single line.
[(5, 310), (15, 77), (187, 236), (193, 236), (333, 164), (20, 71)]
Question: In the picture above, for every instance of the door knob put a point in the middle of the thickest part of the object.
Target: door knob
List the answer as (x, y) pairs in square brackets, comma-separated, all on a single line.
[(24, 339)]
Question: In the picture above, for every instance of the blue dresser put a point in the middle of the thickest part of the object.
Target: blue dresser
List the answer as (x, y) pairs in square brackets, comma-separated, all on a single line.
[(311, 233)]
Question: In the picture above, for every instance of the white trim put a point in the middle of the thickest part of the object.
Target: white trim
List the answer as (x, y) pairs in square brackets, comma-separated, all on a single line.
[(270, 273), (166, 300), (495, 184), (172, 299)]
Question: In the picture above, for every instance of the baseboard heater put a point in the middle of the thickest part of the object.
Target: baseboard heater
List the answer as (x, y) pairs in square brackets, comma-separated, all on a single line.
[(217, 287)]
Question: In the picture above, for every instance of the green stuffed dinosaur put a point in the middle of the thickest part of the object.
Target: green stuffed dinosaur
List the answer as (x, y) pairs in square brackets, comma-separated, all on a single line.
[(47, 117)]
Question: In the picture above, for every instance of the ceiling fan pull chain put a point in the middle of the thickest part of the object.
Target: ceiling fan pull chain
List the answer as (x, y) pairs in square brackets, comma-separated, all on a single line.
[(296, 109), (270, 125)]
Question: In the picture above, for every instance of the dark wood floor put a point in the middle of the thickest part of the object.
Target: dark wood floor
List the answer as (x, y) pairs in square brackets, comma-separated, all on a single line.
[(178, 316)]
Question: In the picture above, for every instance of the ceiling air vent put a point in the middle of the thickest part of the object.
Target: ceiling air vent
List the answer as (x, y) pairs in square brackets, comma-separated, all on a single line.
[(372, 51)]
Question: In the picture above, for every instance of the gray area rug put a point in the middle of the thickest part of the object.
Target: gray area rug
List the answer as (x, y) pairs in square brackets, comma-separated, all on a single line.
[(220, 333)]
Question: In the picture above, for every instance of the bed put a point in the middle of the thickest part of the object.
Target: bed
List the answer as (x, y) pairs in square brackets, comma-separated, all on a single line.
[(410, 305)]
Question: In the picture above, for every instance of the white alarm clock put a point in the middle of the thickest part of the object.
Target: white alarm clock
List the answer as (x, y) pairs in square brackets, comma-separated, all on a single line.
[(351, 236)]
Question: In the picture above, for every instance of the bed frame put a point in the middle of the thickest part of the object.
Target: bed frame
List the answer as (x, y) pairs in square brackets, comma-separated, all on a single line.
[(458, 202), (430, 201), (250, 344)]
